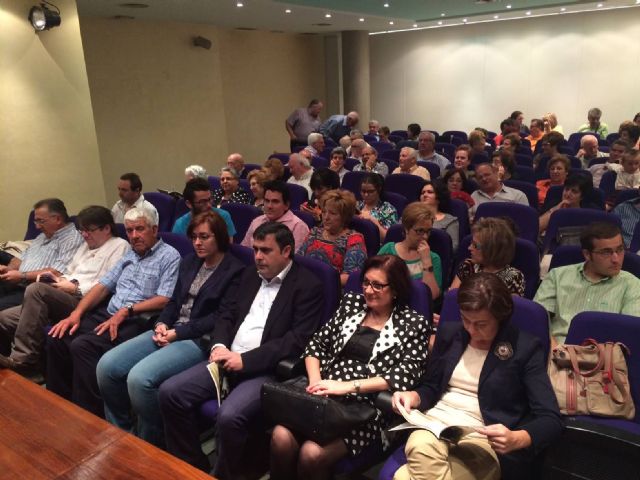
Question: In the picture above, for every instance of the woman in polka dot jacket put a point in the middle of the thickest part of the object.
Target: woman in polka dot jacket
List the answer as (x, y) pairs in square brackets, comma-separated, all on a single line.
[(374, 342)]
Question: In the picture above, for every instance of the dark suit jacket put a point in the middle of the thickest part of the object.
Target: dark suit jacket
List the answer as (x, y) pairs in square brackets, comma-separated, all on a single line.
[(214, 297), (294, 316), (515, 392)]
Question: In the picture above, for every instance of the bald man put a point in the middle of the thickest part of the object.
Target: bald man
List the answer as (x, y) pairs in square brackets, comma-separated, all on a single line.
[(236, 162)]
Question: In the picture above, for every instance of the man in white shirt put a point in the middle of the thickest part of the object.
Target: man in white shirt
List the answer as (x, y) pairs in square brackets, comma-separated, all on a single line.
[(491, 189), (52, 298), (130, 193), (301, 171), (275, 314), (408, 164)]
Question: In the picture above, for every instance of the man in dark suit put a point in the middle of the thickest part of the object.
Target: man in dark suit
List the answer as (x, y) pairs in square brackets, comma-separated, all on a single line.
[(276, 311)]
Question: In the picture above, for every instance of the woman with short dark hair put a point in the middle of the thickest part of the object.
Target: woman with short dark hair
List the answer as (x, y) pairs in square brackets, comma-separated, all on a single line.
[(372, 207)]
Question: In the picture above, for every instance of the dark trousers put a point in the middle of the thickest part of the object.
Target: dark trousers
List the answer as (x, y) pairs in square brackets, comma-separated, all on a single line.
[(72, 359), (10, 295), (239, 415)]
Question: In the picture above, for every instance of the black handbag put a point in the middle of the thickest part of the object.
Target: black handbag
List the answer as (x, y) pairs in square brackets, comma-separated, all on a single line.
[(318, 418)]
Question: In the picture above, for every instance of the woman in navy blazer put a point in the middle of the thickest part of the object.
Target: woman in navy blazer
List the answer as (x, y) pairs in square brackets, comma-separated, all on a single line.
[(130, 374), (487, 374)]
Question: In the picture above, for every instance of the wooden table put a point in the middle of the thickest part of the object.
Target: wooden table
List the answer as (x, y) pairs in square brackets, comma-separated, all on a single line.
[(43, 436)]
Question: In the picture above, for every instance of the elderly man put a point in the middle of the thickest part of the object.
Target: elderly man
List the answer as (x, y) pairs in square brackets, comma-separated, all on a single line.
[(374, 127), (426, 151), (337, 126), (236, 162), (276, 209), (369, 163), (51, 251), (130, 193), (491, 189), (276, 311), (594, 124), (315, 144), (140, 284), (198, 198), (301, 171), (357, 148), (302, 122), (408, 164), (54, 297), (589, 150), (598, 284)]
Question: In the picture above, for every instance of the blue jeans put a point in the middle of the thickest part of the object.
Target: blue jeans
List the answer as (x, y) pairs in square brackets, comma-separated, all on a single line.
[(129, 377)]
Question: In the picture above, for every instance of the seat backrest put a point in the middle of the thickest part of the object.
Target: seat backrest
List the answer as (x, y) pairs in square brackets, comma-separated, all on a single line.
[(527, 188), (330, 283), (370, 233), (390, 155), (624, 195), (381, 146), (32, 232), (180, 242), (446, 149), (433, 168), (524, 174), (306, 217), (608, 182), (351, 181), (319, 162), (457, 133), (242, 216), (349, 163), (400, 133), (420, 298), (181, 209), (214, 182), (405, 184), (570, 217), (297, 195), (612, 327), (528, 316), (166, 207), (398, 201), (634, 245), (122, 232), (391, 164), (242, 253), (525, 160), (460, 210), (525, 217)]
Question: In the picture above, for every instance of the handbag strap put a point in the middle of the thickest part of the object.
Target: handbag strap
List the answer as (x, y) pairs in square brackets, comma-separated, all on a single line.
[(574, 358), (611, 374)]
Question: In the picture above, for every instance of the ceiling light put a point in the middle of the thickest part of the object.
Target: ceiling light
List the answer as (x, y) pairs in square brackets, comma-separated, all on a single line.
[(361, 19), (288, 10), (391, 22), (42, 18), (239, 4), (327, 15), (508, 6), (440, 22), (599, 5), (563, 9), (415, 25), (528, 13), (442, 14), (386, 5), (495, 17), (464, 20)]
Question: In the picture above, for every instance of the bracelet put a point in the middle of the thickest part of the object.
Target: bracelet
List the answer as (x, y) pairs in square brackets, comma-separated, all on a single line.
[(356, 385), (428, 269)]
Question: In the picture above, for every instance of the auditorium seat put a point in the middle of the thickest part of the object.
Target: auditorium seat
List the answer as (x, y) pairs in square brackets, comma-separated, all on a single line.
[(433, 168), (242, 216), (527, 188), (178, 241), (405, 184), (524, 217), (165, 205), (297, 195), (570, 217), (369, 231)]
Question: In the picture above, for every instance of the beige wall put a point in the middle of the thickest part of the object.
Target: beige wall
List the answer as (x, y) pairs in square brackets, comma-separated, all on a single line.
[(161, 104), (461, 77), (48, 143)]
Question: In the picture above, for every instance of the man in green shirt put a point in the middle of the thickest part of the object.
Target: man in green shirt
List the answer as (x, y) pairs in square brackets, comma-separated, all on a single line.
[(597, 285)]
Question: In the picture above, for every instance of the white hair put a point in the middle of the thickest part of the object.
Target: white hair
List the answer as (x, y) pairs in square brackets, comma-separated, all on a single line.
[(196, 171), (138, 213), (411, 152), (313, 138), (304, 161), (230, 170), (590, 138)]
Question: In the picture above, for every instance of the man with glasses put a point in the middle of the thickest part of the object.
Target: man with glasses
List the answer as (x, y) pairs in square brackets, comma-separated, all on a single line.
[(53, 297), (198, 198), (51, 251), (370, 163), (598, 284)]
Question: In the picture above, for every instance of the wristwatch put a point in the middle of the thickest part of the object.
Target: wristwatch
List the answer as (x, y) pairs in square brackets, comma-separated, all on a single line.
[(129, 307), (428, 269)]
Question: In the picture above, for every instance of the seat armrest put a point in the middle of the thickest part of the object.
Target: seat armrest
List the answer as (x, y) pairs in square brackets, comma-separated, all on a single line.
[(290, 368)]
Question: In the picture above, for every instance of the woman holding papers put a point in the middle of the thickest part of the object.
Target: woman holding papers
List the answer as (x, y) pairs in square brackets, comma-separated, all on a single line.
[(374, 342), (485, 374)]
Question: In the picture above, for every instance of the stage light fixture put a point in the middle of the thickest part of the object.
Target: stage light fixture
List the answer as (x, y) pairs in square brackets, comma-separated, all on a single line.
[(43, 18)]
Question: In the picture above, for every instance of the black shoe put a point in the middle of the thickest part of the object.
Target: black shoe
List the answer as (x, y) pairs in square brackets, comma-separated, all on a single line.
[(7, 362), (30, 372)]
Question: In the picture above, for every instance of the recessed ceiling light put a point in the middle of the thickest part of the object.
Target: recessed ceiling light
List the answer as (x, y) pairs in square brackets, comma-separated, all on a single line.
[(464, 20), (528, 13), (599, 5), (508, 6), (391, 22), (361, 19), (496, 17), (442, 14), (415, 25), (563, 9), (239, 4), (327, 15), (288, 10), (386, 5), (439, 22)]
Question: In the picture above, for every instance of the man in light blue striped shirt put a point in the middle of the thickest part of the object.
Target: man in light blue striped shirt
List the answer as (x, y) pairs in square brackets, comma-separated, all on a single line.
[(140, 284), (51, 251)]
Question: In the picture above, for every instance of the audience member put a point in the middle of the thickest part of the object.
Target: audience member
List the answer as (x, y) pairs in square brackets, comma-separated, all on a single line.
[(276, 209), (558, 167), (374, 129), (236, 161), (408, 164), (511, 142), (274, 169), (53, 297), (370, 163), (588, 150), (321, 182), (550, 122), (629, 213), (598, 284), (130, 374), (492, 248), (518, 117), (193, 171), (456, 181), (536, 130), (436, 197), (230, 190), (507, 126), (345, 143), (504, 161), (51, 251), (462, 160), (413, 130), (302, 122), (257, 179), (616, 151), (197, 197), (426, 152), (414, 250), (477, 142), (594, 124), (491, 189), (337, 126), (301, 171), (338, 157), (356, 149), (550, 142), (334, 243), (628, 175), (577, 188), (276, 311), (141, 284), (315, 144), (384, 133), (352, 364), (630, 132), (486, 374), (130, 193), (372, 207)]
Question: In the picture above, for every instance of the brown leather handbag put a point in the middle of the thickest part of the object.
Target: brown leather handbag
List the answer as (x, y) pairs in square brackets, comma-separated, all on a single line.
[(592, 379)]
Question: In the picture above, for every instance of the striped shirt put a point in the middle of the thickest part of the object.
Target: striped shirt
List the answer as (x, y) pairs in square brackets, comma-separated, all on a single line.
[(55, 252), (136, 278), (629, 213), (566, 291)]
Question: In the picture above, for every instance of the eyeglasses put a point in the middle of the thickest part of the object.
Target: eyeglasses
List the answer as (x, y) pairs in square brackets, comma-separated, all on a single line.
[(204, 201), (476, 245), (84, 231), (203, 237), (375, 286), (607, 252), (422, 231), (368, 192)]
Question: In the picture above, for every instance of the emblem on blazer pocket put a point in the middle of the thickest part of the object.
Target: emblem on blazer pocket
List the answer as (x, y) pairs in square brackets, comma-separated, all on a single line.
[(503, 350)]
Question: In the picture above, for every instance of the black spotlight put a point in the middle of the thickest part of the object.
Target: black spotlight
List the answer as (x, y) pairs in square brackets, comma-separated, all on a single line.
[(42, 18)]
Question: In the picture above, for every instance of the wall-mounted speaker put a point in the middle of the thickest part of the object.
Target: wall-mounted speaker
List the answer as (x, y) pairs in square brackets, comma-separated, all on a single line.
[(202, 42)]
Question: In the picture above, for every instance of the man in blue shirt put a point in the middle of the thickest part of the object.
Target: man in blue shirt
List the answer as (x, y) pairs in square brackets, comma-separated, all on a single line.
[(337, 126), (197, 196), (140, 284)]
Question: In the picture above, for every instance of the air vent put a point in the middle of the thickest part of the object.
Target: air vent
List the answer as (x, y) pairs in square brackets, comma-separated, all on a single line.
[(133, 5), (123, 17), (321, 24), (246, 29)]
